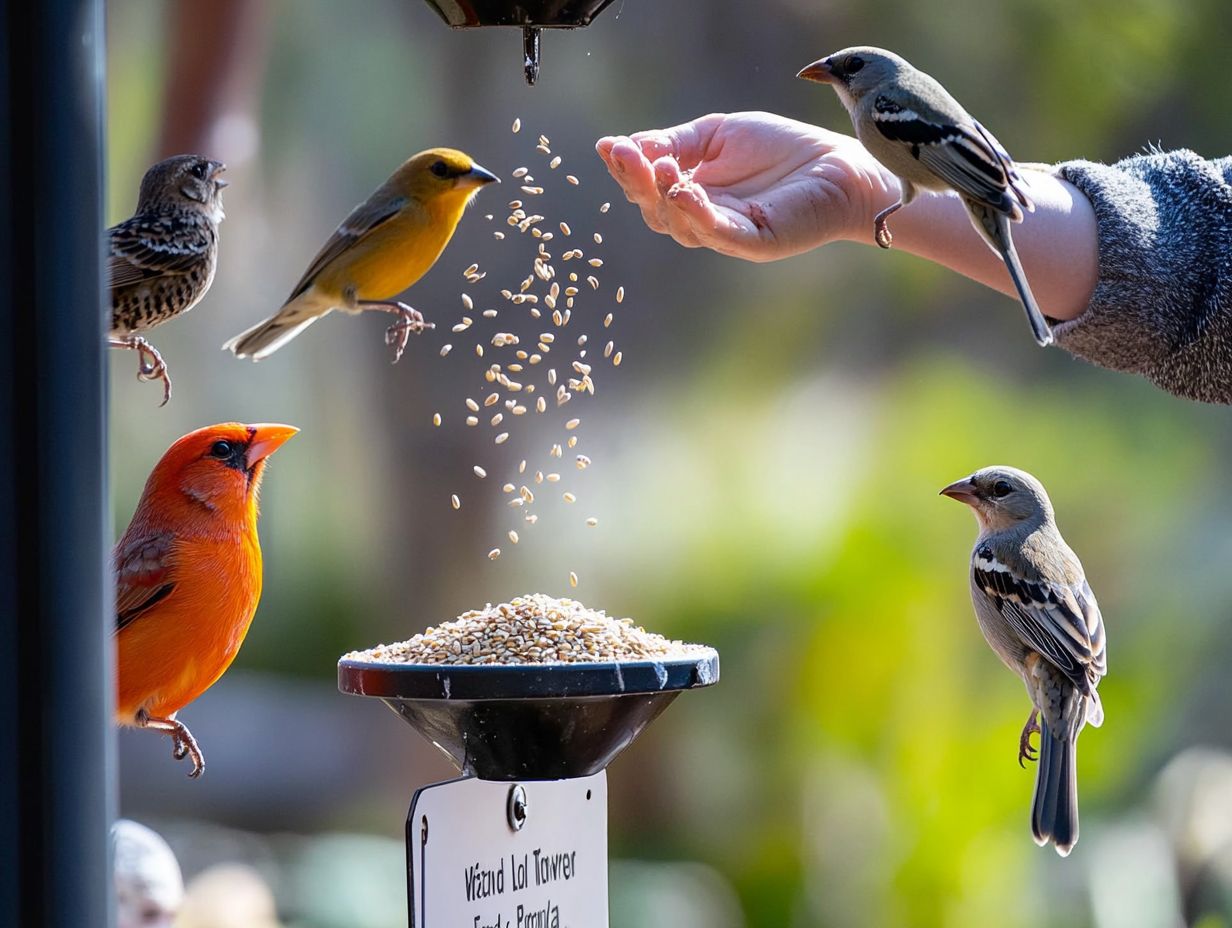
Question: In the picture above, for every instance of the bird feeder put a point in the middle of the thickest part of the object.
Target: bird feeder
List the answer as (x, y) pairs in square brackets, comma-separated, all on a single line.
[(521, 838), (531, 16)]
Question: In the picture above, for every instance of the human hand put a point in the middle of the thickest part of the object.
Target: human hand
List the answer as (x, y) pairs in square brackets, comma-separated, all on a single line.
[(751, 185)]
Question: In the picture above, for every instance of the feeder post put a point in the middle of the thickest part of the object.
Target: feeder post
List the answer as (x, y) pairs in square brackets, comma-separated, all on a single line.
[(57, 747)]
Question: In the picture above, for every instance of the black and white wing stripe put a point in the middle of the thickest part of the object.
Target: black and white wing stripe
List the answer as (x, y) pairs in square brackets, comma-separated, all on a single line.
[(145, 247), (1061, 622), (966, 157)]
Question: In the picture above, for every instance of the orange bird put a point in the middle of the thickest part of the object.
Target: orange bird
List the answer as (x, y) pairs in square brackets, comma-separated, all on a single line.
[(188, 575)]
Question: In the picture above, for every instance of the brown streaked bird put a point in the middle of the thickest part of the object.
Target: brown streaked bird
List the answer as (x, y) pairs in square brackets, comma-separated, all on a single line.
[(161, 261), (383, 247), (1037, 612), (912, 125)]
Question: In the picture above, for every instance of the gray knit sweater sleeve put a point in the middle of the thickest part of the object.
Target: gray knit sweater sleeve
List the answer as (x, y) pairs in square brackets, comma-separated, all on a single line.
[(1163, 304)]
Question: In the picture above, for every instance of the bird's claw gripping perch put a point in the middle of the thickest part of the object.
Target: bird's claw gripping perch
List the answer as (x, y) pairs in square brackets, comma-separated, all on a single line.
[(150, 364), (881, 228), (1025, 750)]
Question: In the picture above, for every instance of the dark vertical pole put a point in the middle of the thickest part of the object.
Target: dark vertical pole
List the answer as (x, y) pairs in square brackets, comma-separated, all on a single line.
[(56, 743)]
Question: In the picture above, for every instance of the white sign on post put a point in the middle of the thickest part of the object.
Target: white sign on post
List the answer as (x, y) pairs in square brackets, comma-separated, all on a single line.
[(470, 867)]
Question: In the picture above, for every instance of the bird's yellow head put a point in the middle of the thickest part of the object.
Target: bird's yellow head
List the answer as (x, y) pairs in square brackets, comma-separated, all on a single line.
[(441, 173)]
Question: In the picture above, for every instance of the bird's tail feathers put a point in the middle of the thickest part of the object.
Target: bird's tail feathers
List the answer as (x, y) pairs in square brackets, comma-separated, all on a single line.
[(1054, 809), (266, 337), (994, 227)]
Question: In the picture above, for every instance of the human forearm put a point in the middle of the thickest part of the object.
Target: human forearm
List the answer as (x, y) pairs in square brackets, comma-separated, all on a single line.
[(1058, 243)]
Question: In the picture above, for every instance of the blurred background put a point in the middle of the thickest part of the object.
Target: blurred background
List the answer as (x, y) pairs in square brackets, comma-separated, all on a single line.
[(766, 467)]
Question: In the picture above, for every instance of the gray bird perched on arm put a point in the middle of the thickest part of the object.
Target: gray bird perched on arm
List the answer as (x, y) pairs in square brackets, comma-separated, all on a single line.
[(1037, 612), (909, 123), (161, 261)]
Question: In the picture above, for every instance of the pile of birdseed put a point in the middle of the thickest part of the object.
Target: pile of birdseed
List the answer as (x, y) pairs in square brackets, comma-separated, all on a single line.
[(532, 629)]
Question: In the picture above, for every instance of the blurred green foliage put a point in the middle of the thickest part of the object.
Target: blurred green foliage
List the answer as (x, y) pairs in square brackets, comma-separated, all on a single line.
[(767, 460)]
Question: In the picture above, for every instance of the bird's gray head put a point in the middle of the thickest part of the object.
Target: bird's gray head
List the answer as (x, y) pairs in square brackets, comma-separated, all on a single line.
[(184, 181), (854, 72), (1002, 497)]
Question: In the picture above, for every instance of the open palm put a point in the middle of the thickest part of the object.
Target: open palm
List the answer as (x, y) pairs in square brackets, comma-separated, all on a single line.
[(751, 185)]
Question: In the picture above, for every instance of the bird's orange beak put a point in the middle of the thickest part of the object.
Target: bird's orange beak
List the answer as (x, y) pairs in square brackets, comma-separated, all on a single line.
[(818, 72), (963, 491), (267, 438)]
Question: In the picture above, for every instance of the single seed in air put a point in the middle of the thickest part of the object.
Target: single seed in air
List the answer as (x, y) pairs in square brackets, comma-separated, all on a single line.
[(455, 501), (605, 207), (620, 294), (583, 462), (479, 472), (564, 228), (573, 581), (592, 521), (470, 270), (494, 554), (568, 497), (517, 125), (571, 179), (573, 423), (472, 420), (502, 438), (436, 419), (554, 163), (607, 320), (445, 349), (513, 536), (616, 358)]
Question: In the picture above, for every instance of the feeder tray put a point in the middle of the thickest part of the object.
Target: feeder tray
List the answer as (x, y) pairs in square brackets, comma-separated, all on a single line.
[(529, 721), (530, 15)]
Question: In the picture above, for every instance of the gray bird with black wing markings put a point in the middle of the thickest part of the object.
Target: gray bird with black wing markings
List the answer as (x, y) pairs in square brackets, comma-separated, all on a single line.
[(909, 123), (1037, 612), (161, 261)]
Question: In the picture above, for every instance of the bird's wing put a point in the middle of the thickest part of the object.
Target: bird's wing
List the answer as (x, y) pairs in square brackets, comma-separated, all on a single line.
[(145, 247), (367, 216), (144, 568), (1061, 621), (960, 152)]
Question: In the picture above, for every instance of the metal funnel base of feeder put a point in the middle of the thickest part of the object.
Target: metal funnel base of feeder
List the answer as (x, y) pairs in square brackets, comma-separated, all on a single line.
[(530, 721), (530, 15)]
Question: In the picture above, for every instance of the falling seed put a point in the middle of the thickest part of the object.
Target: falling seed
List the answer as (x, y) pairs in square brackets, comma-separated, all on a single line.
[(472, 420), (489, 314), (594, 283), (470, 270), (455, 501), (517, 125), (620, 294), (520, 172), (462, 326), (492, 399), (502, 438), (436, 419), (513, 536), (573, 581), (607, 349), (553, 478), (541, 405), (583, 462), (554, 163), (494, 554), (565, 230), (605, 207), (616, 358), (479, 472), (592, 521), (522, 467), (568, 497), (467, 301), (571, 179), (573, 423), (498, 235), (479, 351), (532, 518), (538, 476), (556, 451), (533, 191), (445, 349), (496, 419), (572, 442)]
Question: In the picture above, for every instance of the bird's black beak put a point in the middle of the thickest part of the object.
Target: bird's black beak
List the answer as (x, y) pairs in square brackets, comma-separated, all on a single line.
[(819, 72), (216, 168), (962, 490), (480, 175)]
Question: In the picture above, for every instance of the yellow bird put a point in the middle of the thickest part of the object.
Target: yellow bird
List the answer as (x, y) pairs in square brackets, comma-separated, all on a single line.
[(383, 247)]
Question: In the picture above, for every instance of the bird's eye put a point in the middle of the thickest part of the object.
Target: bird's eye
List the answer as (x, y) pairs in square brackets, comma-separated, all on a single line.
[(439, 168), (198, 170), (221, 449), (854, 64), (1001, 488)]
